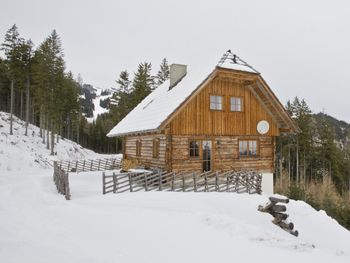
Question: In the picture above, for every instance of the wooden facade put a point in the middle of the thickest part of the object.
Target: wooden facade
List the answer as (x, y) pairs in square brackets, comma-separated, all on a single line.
[(220, 131)]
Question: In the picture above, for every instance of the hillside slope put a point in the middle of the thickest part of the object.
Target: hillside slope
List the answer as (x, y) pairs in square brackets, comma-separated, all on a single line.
[(19, 152), (38, 225)]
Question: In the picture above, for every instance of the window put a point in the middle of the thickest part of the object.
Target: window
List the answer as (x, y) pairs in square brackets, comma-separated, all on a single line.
[(215, 102), (248, 148), (156, 148), (236, 104), (194, 148), (138, 147)]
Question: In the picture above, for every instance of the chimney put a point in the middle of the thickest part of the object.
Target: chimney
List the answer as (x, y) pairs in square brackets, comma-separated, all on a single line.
[(177, 72)]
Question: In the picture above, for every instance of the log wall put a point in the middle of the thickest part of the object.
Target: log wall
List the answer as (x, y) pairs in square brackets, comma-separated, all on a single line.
[(146, 158), (225, 154)]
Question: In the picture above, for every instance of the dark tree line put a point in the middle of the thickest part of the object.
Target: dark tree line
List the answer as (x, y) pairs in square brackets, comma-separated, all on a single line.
[(35, 86), (129, 92), (314, 165)]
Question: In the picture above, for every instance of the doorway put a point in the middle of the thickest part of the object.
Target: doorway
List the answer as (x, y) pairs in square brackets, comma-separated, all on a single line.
[(206, 156)]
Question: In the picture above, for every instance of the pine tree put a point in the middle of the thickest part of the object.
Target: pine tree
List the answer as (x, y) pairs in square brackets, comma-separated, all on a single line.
[(163, 73), (11, 48), (143, 82)]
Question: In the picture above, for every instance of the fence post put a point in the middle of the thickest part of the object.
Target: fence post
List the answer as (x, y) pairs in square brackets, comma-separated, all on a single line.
[(216, 182), (66, 186), (130, 181), (227, 182), (146, 186), (76, 166), (84, 166), (247, 182), (173, 182), (114, 183), (106, 164), (205, 182), (68, 166), (99, 163), (183, 183), (160, 181), (91, 165), (103, 183), (194, 182)]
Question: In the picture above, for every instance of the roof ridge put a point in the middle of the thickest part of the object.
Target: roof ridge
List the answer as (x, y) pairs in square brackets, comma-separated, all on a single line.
[(232, 58)]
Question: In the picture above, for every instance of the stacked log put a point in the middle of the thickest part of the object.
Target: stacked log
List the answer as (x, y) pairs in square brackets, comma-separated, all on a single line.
[(277, 211)]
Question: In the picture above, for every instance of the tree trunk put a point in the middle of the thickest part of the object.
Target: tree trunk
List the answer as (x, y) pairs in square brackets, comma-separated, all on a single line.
[(297, 160), (68, 126), (21, 106), (288, 162), (27, 106), (78, 127), (52, 139), (11, 109), (47, 132)]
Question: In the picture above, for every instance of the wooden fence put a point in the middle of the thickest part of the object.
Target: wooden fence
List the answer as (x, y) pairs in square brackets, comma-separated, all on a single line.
[(60, 177), (225, 181), (89, 165), (63, 168)]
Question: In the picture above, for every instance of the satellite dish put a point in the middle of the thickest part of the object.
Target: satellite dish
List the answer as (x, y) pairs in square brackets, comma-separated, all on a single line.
[(263, 127)]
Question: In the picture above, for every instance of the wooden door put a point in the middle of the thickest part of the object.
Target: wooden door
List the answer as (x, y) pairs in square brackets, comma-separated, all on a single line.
[(207, 154)]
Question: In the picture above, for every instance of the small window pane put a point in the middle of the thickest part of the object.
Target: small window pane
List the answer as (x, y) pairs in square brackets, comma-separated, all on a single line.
[(243, 149), (194, 148), (236, 104), (215, 102)]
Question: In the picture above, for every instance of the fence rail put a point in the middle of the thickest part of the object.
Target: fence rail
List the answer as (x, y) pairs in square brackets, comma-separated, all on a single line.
[(61, 170), (61, 180), (226, 181), (89, 165)]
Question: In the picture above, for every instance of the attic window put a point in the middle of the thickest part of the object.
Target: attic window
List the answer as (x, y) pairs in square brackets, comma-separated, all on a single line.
[(236, 104), (147, 104), (215, 102)]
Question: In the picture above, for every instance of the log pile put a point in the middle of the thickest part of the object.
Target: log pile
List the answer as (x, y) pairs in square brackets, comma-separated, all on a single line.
[(277, 211)]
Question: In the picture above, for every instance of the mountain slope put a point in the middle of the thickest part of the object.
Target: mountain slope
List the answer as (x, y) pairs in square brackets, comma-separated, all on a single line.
[(38, 225)]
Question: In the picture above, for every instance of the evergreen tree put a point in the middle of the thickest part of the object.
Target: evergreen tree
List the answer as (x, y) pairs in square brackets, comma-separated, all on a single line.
[(143, 82), (163, 73)]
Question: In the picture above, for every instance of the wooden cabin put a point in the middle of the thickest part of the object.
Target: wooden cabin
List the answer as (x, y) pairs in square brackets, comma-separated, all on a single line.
[(210, 117)]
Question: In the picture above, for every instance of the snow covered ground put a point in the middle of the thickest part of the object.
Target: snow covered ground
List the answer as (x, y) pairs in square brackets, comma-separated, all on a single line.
[(38, 225)]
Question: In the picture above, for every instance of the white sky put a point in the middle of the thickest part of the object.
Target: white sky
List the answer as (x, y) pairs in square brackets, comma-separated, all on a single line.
[(300, 47)]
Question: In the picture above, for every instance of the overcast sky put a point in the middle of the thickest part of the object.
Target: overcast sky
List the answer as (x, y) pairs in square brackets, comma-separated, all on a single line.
[(302, 48)]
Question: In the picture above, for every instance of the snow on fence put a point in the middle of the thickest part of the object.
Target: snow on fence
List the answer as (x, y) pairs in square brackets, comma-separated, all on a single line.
[(63, 168), (225, 181)]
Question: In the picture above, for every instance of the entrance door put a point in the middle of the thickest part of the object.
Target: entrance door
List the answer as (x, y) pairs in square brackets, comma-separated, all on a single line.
[(206, 156)]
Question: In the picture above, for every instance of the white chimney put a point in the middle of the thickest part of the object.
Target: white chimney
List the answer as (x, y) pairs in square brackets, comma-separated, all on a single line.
[(177, 72)]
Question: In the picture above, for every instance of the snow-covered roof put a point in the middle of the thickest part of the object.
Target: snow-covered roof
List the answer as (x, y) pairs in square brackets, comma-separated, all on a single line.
[(150, 113)]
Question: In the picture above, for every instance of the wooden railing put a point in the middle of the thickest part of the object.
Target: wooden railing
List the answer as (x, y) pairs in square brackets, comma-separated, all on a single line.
[(60, 177), (89, 165), (63, 168), (225, 181)]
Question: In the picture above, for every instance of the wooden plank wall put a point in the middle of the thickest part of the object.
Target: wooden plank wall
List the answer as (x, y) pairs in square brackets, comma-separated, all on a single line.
[(196, 118), (225, 155), (146, 159)]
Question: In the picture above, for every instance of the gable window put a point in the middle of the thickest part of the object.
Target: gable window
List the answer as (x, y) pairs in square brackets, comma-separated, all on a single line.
[(236, 104), (156, 148), (248, 148), (138, 147), (215, 102), (194, 148)]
